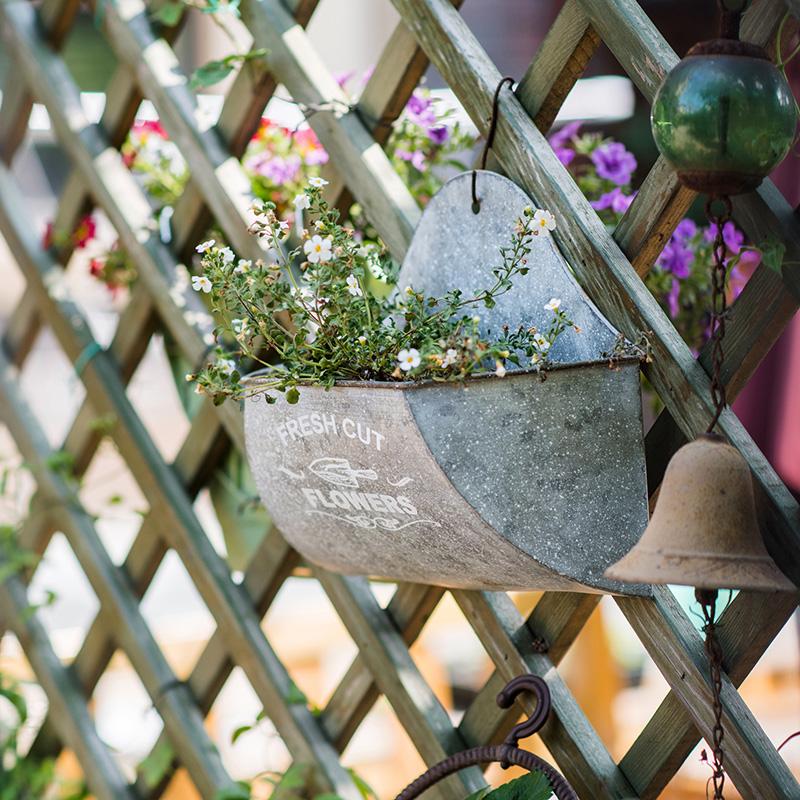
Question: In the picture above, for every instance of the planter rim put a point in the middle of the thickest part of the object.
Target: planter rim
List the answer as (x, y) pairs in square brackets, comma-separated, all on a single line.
[(257, 376)]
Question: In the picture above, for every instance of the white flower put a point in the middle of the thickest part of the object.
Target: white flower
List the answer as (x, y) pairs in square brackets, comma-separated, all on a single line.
[(553, 305), (203, 246), (544, 221), (541, 343), (201, 284), (227, 255), (243, 265), (409, 291), (312, 329), (408, 359), (317, 183), (283, 225), (476, 319), (301, 201), (226, 365), (500, 370), (450, 357), (352, 286), (387, 322), (239, 326), (318, 250), (319, 224), (362, 339)]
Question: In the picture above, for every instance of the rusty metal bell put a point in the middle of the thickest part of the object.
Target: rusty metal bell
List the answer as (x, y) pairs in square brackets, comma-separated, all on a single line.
[(703, 531)]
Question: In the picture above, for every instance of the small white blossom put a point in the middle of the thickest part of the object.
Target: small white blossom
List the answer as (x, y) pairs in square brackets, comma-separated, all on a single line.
[(553, 305), (204, 246), (544, 221), (283, 225), (200, 283), (450, 358), (362, 339), (318, 250), (387, 322), (409, 291), (227, 255), (226, 365), (317, 183), (243, 265), (353, 287), (312, 329), (408, 359), (239, 326), (541, 343), (500, 370), (476, 319), (301, 201), (319, 224)]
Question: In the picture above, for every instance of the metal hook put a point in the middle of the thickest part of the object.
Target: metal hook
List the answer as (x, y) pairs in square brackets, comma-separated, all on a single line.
[(506, 698), (476, 203)]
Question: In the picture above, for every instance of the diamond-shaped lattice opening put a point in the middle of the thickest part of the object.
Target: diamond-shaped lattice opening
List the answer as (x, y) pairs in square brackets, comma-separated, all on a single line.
[(382, 753), (317, 662), (160, 394), (451, 658), (49, 385), (181, 787), (97, 274), (231, 513), (124, 714), (13, 284), (772, 692), (111, 495), (623, 688), (89, 58), (176, 614), (63, 597), (257, 747)]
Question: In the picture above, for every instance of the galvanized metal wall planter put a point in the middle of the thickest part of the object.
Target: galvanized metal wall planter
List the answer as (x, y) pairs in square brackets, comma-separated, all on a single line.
[(530, 481)]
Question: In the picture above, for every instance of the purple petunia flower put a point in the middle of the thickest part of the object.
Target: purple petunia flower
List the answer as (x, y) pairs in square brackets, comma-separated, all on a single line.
[(673, 298), (686, 229), (417, 158), (676, 258), (616, 200), (559, 139), (276, 169), (419, 110), (439, 134), (614, 162)]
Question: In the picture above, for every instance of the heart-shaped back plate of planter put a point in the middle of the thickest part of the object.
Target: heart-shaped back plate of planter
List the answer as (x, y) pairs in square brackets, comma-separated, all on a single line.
[(528, 481)]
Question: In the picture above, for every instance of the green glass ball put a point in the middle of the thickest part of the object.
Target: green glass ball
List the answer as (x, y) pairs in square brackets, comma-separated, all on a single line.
[(723, 121)]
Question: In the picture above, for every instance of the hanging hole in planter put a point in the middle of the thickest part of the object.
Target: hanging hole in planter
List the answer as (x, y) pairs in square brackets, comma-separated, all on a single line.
[(496, 483)]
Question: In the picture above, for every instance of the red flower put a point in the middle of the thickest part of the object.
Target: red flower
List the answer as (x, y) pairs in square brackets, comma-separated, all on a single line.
[(47, 238), (85, 232)]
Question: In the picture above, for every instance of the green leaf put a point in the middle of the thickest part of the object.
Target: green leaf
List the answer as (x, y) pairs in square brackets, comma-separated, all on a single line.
[(211, 73), (169, 14), (365, 790), (239, 792), (155, 766), (240, 731), (295, 696), (772, 251), (533, 786), (292, 396)]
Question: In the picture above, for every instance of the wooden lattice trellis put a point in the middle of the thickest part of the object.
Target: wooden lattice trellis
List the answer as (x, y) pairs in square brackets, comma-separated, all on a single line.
[(610, 267)]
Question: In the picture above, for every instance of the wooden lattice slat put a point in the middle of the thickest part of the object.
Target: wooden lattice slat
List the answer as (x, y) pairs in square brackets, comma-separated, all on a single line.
[(609, 266)]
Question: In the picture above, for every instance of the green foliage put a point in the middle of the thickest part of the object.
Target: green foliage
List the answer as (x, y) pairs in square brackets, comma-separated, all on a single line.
[(169, 14), (215, 71), (156, 765), (313, 310), (533, 786)]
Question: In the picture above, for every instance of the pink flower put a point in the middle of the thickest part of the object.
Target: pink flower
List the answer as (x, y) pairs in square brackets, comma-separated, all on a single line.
[(419, 110)]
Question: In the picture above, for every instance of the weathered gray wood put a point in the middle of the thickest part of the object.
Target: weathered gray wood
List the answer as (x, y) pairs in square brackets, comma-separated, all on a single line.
[(225, 600), (677, 649), (398, 678), (568, 735), (67, 706), (560, 61), (384, 197), (181, 717)]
